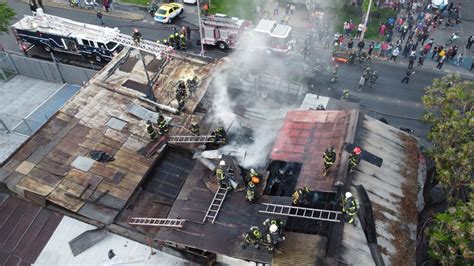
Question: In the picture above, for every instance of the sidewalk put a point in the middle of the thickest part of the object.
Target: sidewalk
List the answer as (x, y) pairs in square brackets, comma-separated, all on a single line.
[(118, 11)]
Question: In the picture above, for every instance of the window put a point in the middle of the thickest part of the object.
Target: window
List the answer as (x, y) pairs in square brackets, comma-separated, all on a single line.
[(87, 43), (111, 45), (162, 12), (101, 45)]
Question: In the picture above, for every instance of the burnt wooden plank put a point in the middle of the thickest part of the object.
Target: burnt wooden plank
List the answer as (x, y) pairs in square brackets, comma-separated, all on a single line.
[(59, 157), (7, 209), (3, 257), (13, 219), (45, 176), (12, 261), (29, 239), (53, 167), (103, 170), (40, 242), (22, 226)]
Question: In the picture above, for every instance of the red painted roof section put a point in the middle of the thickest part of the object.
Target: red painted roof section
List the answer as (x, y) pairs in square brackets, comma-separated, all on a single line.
[(304, 138), (25, 229)]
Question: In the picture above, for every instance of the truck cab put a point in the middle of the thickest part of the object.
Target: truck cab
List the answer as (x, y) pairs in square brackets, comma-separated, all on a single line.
[(274, 36)]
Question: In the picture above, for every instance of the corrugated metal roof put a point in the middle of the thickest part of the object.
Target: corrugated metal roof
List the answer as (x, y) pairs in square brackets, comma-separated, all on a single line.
[(384, 188), (25, 229), (127, 252), (304, 138)]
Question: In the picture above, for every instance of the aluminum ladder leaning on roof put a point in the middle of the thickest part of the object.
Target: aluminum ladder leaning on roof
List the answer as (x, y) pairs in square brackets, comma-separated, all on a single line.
[(216, 204), (157, 222), (300, 212)]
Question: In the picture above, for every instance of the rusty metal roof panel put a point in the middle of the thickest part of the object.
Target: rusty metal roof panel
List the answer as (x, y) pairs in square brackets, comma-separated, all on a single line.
[(305, 136)]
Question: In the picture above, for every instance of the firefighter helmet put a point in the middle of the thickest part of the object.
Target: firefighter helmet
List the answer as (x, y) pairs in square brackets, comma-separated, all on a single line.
[(273, 228), (135, 29), (348, 194), (251, 184), (357, 150), (222, 163), (255, 180)]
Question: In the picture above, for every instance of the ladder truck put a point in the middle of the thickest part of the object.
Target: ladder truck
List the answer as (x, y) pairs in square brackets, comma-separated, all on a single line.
[(58, 34)]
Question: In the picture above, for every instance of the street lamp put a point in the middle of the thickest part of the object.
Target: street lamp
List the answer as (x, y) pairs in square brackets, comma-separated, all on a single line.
[(366, 20), (200, 28)]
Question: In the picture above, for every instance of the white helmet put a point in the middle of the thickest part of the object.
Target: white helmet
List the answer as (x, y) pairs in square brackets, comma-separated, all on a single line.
[(273, 228), (222, 163), (252, 172), (348, 194)]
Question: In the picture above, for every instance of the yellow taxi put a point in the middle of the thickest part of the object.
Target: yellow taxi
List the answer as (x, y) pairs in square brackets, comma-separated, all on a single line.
[(167, 12)]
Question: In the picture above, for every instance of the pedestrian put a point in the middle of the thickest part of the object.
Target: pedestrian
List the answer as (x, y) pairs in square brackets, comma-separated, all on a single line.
[(382, 29), (441, 62), (99, 17), (360, 28), (470, 41), (40, 3), (275, 8), (411, 61), (361, 45), (106, 5), (350, 45), (459, 59), (421, 60), (441, 54), (435, 52), (406, 79), (292, 9), (384, 48), (188, 33), (407, 49), (377, 48), (472, 65), (287, 9), (371, 48), (361, 82), (33, 6), (395, 54)]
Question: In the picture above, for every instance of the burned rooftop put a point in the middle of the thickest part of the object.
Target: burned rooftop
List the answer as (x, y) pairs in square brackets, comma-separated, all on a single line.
[(173, 177)]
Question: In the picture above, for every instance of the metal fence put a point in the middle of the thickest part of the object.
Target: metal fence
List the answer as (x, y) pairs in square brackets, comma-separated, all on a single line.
[(36, 68)]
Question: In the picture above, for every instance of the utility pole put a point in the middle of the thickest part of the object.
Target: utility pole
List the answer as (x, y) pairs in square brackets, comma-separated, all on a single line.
[(200, 28), (366, 20)]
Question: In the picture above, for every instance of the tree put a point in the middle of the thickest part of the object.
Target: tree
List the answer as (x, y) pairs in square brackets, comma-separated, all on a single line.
[(6, 14), (449, 103)]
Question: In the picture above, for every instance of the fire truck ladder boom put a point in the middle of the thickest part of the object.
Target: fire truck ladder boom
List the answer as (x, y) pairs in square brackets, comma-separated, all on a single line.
[(216, 204), (157, 222), (94, 32), (221, 21), (191, 139), (299, 212)]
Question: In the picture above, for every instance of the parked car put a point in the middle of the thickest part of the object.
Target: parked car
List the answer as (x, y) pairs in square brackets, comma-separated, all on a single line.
[(193, 2), (167, 12)]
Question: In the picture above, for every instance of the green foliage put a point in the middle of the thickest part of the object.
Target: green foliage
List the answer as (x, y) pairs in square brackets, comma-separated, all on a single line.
[(6, 14), (450, 235), (365, 6), (449, 103), (244, 9)]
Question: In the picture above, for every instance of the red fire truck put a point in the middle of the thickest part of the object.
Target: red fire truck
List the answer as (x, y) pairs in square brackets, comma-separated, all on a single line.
[(224, 32)]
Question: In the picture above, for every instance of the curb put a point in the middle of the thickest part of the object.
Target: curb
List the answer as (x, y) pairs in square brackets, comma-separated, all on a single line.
[(112, 13)]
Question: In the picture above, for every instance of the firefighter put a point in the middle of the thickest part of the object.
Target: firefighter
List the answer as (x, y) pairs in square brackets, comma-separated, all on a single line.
[(253, 176), (220, 173), (373, 78), (218, 136), (272, 221), (182, 39), (181, 90), (176, 39), (345, 95), (251, 195), (252, 237), (180, 105), (166, 42), (301, 196), (162, 125), (137, 36), (158, 42), (273, 237), (151, 131), (172, 41), (194, 128), (349, 208), (354, 159), (335, 73), (329, 157)]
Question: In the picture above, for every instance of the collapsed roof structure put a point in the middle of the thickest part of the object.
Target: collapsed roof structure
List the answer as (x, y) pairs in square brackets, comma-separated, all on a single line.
[(176, 181)]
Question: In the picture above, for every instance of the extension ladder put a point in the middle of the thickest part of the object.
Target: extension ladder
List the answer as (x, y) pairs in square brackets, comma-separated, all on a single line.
[(300, 212), (157, 222), (216, 204), (191, 139)]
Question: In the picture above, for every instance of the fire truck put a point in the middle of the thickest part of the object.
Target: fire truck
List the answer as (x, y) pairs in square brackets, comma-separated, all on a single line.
[(226, 32), (67, 36)]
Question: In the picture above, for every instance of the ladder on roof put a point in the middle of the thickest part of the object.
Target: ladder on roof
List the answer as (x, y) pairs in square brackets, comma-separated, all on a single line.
[(94, 32), (216, 204), (191, 139), (300, 212), (157, 222)]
